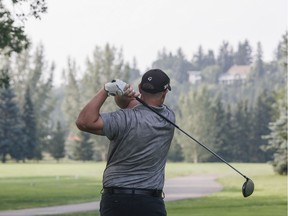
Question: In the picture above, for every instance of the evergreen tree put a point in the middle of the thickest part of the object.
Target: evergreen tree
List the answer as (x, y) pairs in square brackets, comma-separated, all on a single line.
[(84, 147), (281, 51), (210, 58), (240, 131), (225, 57), (57, 143), (175, 153), (30, 127), (199, 59), (40, 81), (176, 66), (259, 63), (277, 139), (11, 137), (218, 126), (262, 115), (243, 56), (226, 150), (134, 72)]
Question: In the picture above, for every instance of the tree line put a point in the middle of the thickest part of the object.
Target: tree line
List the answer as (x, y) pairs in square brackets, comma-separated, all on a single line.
[(241, 122)]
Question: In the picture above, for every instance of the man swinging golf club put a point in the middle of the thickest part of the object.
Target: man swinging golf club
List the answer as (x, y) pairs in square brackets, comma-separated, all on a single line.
[(139, 142)]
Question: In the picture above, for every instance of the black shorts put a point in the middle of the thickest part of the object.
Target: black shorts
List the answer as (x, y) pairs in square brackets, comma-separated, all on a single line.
[(131, 205)]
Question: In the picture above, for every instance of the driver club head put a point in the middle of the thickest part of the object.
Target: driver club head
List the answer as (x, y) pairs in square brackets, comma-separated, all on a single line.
[(248, 187)]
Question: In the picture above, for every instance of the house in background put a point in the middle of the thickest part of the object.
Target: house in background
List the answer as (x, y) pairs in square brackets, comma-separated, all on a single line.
[(194, 77), (236, 74)]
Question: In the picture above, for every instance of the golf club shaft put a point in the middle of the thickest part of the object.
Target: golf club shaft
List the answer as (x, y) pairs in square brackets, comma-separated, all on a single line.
[(151, 108)]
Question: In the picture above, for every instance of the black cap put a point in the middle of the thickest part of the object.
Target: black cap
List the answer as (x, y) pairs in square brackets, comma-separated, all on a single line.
[(154, 81)]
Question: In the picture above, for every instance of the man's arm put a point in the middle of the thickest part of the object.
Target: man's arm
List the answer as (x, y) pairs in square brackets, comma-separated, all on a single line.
[(89, 119)]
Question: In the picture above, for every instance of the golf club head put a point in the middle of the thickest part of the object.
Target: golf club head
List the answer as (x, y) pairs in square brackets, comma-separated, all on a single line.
[(248, 187)]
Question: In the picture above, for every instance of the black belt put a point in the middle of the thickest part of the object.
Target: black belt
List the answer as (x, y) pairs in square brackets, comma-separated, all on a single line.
[(154, 193)]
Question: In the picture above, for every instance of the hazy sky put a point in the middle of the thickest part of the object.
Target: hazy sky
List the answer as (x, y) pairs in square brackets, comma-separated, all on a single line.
[(141, 28)]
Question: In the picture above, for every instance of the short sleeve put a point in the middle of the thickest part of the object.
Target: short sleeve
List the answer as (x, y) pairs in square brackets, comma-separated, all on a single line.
[(113, 123)]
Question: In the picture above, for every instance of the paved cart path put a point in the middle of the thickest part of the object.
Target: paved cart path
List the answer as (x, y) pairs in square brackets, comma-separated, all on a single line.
[(175, 189)]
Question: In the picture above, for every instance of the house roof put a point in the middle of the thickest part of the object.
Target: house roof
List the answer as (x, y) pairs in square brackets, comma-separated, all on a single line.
[(239, 69)]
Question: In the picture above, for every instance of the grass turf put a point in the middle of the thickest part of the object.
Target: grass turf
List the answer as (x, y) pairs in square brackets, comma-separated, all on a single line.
[(34, 185)]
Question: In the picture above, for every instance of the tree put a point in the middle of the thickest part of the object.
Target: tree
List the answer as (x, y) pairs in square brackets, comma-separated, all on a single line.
[(240, 131), (13, 37), (225, 57), (218, 127), (105, 65), (261, 116), (177, 66), (259, 63), (281, 51), (40, 82), (199, 59), (30, 127), (196, 115), (71, 104), (11, 136), (277, 139), (175, 153), (243, 54), (57, 143), (84, 147)]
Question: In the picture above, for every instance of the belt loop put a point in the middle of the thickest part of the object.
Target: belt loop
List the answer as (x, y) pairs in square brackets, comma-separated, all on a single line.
[(133, 191)]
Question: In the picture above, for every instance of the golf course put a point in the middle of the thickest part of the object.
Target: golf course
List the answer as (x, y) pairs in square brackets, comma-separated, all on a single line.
[(31, 185)]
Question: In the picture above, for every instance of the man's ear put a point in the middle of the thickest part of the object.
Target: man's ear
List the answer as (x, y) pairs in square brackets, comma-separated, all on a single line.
[(140, 90), (164, 95)]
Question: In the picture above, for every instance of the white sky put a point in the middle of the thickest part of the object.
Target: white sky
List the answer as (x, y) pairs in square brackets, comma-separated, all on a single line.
[(141, 28)]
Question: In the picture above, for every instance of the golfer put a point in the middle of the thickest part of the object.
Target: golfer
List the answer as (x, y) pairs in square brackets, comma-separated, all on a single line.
[(139, 142)]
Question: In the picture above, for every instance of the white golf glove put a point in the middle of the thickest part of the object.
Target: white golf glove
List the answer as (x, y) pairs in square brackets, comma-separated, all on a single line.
[(115, 87)]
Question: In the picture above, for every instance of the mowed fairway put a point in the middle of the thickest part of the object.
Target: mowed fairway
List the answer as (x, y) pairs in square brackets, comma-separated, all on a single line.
[(34, 185)]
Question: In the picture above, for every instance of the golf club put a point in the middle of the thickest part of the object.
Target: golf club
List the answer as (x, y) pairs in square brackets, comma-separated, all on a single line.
[(248, 186)]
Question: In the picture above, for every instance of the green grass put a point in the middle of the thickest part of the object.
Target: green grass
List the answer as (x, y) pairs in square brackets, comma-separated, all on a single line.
[(34, 185)]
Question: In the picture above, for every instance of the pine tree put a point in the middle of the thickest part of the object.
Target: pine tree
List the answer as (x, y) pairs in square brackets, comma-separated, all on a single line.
[(277, 139), (262, 115), (243, 54), (11, 137), (259, 63), (199, 59), (225, 57), (176, 66), (40, 83), (240, 130), (84, 148), (57, 143), (218, 125), (30, 127)]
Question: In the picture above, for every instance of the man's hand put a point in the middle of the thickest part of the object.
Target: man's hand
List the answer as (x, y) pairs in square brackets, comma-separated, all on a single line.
[(129, 92), (127, 100), (116, 87)]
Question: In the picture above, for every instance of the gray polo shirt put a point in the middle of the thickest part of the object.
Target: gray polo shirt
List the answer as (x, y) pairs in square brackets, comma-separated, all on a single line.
[(140, 141)]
